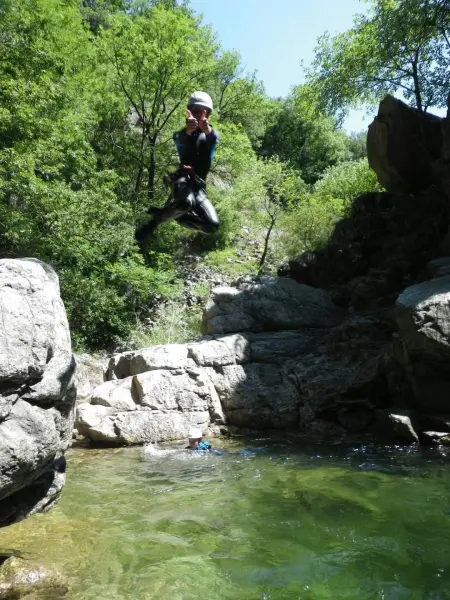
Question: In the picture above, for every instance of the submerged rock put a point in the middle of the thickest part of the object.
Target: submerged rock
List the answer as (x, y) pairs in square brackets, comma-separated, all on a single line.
[(21, 579), (395, 427), (435, 438)]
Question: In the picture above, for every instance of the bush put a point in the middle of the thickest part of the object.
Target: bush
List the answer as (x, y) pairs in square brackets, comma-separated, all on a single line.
[(346, 181), (309, 225), (175, 324), (87, 236)]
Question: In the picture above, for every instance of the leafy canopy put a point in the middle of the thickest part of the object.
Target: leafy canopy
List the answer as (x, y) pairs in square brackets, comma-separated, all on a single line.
[(400, 46)]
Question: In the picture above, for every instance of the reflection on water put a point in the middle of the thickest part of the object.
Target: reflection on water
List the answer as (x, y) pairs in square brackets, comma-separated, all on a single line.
[(314, 523)]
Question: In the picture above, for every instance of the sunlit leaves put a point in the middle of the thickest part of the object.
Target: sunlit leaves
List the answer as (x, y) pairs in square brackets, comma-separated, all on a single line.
[(400, 46)]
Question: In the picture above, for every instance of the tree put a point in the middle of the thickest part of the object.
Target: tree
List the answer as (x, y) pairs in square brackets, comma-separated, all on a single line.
[(308, 224), (346, 181), (357, 145), (239, 99), (152, 62), (55, 203), (400, 46), (304, 138), (282, 188), (234, 155)]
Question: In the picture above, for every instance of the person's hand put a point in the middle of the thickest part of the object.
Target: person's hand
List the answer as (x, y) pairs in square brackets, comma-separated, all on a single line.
[(191, 123), (203, 123)]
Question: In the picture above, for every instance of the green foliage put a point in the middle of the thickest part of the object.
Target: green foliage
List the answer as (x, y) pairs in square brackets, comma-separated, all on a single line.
[(234, 156), (87, 236), (226, 262), (346, 181), (54, 203), (240, 100), (310, 223), (357, 145), (400, 46), (304, 138), (91, 93), (152, 62), (175, 323)]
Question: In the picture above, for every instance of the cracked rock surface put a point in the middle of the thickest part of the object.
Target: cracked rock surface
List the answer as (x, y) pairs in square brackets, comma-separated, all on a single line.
[(313, 376), (37, 393)]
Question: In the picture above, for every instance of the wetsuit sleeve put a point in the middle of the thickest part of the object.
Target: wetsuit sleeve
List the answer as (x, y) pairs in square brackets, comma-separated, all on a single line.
[(180, 139), (212, 140)]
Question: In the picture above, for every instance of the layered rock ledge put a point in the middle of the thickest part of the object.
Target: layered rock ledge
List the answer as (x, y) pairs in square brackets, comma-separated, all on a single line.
[(329, 373), (352, 338)]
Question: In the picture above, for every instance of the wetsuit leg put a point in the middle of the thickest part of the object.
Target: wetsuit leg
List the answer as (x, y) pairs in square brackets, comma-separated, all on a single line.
[(183, 202), (203, 218)]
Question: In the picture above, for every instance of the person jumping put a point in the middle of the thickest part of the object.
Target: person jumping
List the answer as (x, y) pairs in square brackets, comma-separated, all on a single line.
[(189, 204)]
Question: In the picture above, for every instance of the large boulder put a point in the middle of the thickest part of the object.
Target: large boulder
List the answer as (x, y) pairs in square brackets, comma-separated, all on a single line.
[(37, 391), (268, 304), (403, 146), (316, 378), (165, 356), (91, 372), (160, 404), (423, 316), (20, 578)]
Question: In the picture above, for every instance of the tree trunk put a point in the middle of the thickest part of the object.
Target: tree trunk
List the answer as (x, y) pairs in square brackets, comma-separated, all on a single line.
[(138, 184), (151, 171), (266, 246), (417, 91), (140, 173)]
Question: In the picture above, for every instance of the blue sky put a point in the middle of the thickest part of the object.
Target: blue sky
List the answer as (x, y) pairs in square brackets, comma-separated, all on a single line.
[(274, 36)]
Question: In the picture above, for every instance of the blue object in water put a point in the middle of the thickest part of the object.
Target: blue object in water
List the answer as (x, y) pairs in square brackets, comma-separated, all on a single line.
[(203, 446), (206, 446), (249, 451)]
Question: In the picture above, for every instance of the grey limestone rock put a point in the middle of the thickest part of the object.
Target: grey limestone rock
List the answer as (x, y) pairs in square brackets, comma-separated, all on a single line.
[(268, 304), (37, 390), (423, 317)]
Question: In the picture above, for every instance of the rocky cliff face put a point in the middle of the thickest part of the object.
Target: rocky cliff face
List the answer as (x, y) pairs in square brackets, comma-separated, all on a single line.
[(354, 340), (279, 355), (387, 240), (396, 240), (37, 394)]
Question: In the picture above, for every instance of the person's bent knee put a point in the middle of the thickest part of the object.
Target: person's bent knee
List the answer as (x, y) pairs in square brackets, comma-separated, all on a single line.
[(211, 226)]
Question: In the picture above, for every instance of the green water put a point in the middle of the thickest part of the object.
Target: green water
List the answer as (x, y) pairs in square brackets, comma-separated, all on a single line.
[(315, 523)]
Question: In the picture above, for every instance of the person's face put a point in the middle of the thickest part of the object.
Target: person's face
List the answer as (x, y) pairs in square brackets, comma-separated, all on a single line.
[(197, 111), (194, 443)]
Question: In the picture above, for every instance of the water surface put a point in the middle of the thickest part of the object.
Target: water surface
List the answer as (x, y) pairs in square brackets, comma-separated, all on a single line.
[(353, 522)]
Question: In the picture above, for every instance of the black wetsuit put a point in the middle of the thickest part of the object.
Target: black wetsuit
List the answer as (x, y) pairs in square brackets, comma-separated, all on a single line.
[(189, 204)]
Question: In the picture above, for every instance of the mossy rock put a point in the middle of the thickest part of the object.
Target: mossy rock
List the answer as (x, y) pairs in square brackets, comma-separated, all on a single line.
[(20, 578)]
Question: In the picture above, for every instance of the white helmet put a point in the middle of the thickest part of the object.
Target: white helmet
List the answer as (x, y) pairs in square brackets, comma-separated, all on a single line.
[(201, 99), (195, 433)]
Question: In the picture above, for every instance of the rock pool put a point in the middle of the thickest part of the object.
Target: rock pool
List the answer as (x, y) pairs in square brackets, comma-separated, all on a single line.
[(296, 521)]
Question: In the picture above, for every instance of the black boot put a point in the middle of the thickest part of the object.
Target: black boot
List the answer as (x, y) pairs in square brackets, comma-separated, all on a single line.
[(155, 211), (143, 231)]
